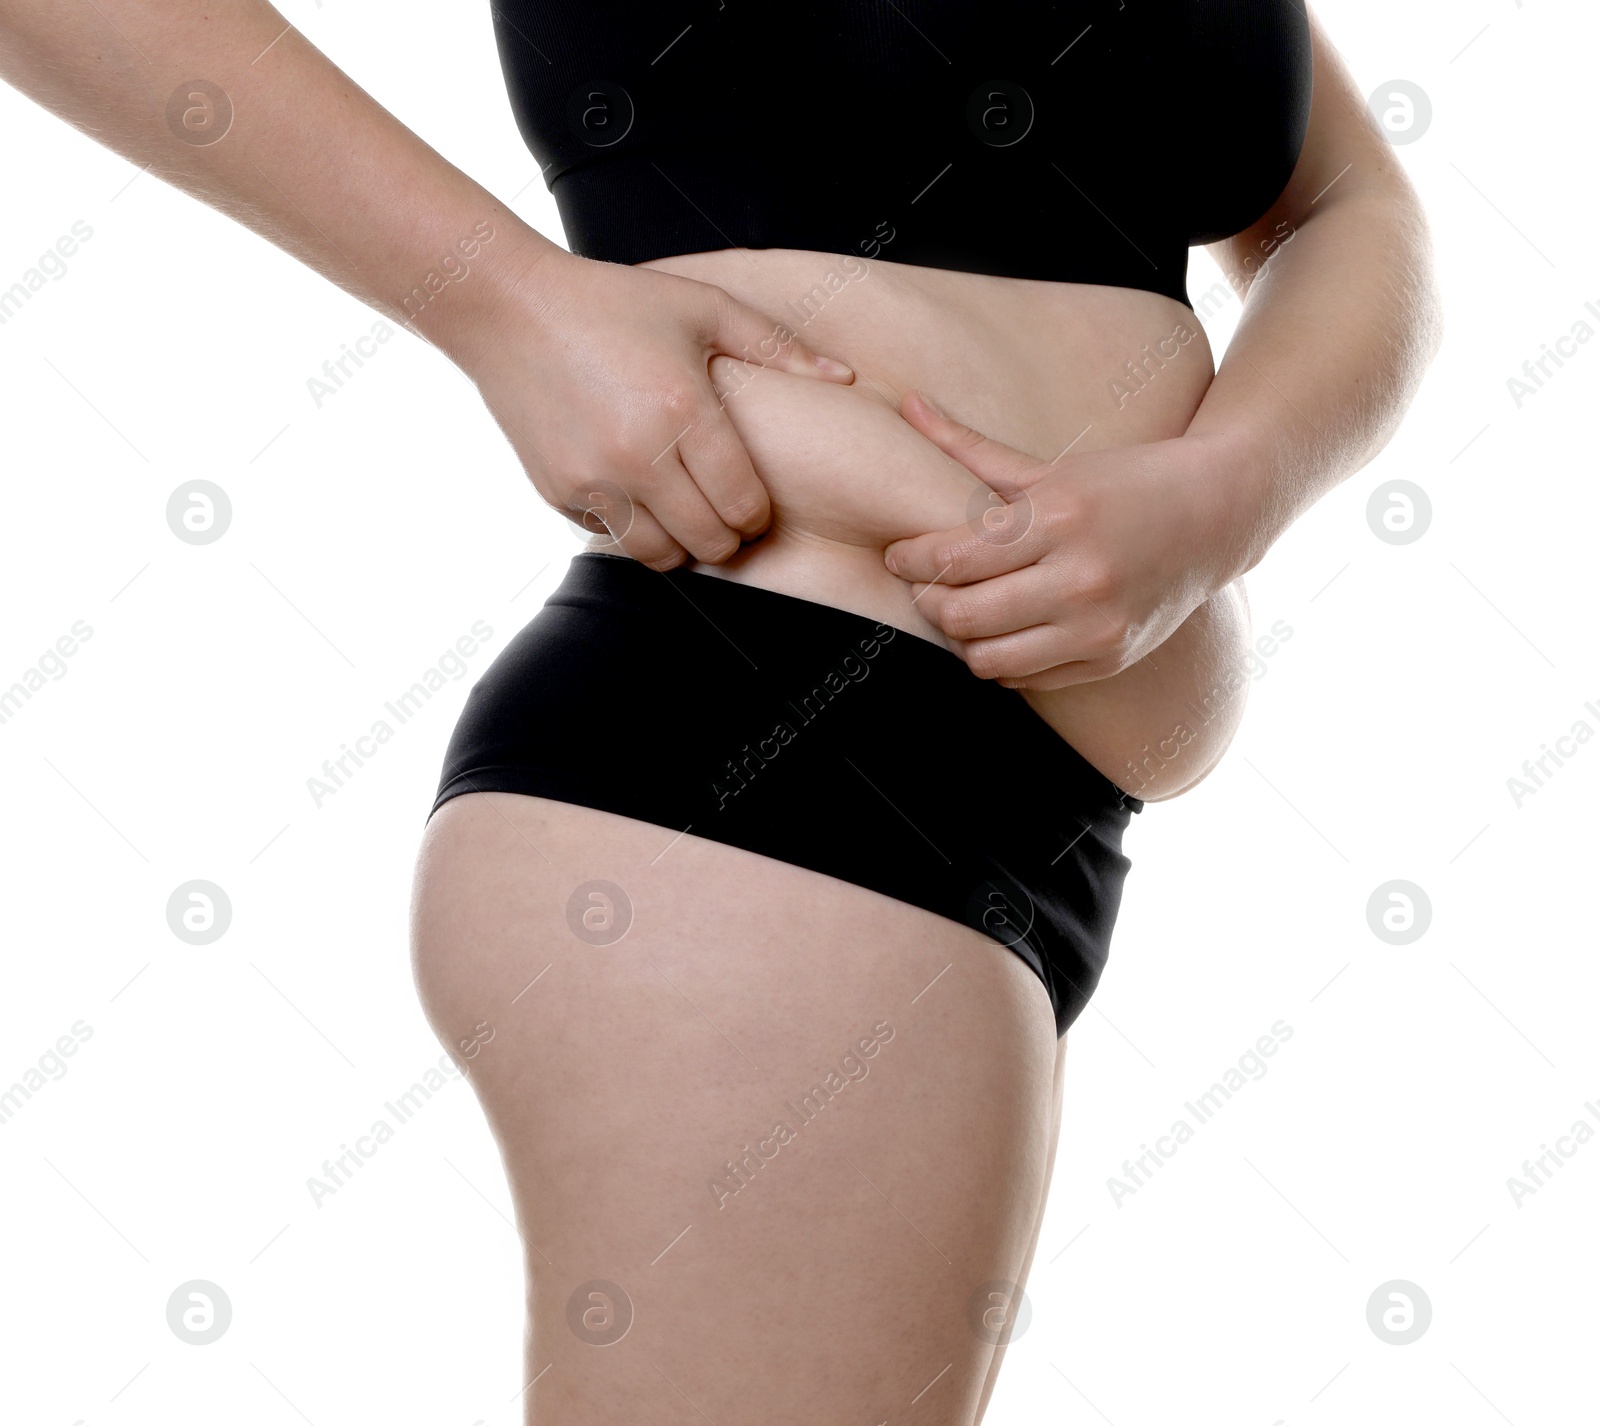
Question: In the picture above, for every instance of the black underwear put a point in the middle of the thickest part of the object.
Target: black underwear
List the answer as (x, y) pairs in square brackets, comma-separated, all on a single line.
[(812, 735)]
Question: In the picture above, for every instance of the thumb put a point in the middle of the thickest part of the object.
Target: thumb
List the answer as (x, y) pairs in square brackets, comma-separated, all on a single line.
[(1002, 468), (743, 333)]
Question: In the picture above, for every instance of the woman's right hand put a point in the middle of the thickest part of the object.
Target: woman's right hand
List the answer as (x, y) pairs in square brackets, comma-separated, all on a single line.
[(599, 376)]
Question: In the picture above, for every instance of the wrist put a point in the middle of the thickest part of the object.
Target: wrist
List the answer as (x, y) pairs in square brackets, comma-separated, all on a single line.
[(466, 303), (1235, 507)]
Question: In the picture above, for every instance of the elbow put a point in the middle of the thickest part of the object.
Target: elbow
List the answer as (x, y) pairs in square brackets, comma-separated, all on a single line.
[(1433, 323), (1429, 301), (1435, 317), (1421, 294)]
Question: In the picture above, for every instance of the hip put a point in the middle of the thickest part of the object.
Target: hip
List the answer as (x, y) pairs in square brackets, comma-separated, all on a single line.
[(809, 735)]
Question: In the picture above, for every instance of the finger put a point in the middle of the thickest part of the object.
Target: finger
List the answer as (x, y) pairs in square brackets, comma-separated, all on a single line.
[(991, 607), (721, 469), (996, 540), (685, 514), (639, 535), (1064, 675), (740, 331), (999, 466), (1020, 655)]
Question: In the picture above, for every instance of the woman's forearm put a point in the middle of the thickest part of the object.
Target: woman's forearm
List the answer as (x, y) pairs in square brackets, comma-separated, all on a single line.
[(305, 157), (1339, 325)]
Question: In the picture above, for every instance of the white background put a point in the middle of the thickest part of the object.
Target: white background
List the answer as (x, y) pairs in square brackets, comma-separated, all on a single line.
[(370, 534)]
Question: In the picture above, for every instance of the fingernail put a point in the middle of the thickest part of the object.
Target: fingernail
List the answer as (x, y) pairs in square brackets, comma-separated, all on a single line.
[(930, 403), (888, 559), (829, 367)]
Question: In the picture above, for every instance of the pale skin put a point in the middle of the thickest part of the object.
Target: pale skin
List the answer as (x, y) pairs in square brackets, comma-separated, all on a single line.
[(620, 1080)]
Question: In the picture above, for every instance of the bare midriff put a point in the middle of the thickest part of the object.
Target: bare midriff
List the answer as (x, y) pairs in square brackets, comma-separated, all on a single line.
[(1042, 366)]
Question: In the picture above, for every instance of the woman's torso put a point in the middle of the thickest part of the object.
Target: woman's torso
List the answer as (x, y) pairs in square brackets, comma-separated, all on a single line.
[(1038, 365), (1028, 202)]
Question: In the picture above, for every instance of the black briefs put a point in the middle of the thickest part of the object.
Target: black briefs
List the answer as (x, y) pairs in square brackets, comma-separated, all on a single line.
[(812, 735)]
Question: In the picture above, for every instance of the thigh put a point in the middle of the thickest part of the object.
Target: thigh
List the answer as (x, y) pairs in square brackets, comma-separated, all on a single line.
[(770, 1135), (1004, 1314)]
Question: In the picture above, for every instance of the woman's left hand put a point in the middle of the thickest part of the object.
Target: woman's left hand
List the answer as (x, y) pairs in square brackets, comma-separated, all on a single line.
[(1070, 570)]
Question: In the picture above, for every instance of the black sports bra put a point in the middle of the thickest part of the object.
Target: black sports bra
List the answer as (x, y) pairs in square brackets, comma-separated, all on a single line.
[(1073, 140)]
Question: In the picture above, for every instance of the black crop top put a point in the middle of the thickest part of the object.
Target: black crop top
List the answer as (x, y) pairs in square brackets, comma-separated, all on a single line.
[(1074, 140)]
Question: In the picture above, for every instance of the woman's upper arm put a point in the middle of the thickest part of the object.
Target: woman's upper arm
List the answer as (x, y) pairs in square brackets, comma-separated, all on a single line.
[(1344, 157)]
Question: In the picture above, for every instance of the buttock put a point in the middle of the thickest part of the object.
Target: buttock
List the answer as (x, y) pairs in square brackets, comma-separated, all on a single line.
[(812, 735)]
